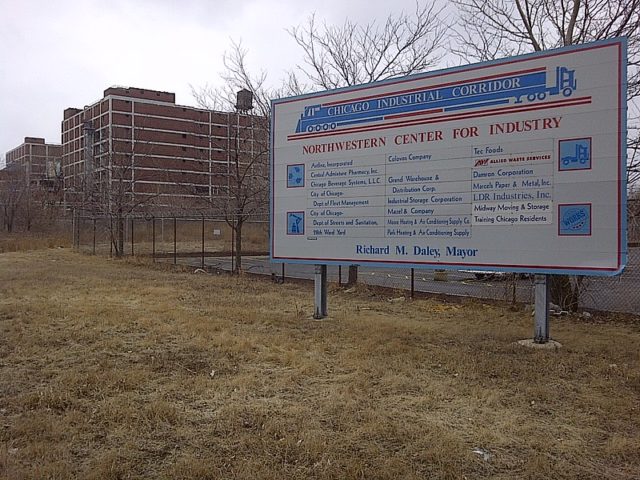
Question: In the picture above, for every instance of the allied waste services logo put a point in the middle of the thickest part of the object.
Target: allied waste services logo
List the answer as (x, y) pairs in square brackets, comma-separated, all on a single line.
[(575, 219)]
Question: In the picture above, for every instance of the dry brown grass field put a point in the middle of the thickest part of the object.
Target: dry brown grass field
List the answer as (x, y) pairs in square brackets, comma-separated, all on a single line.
[(115, 370), (20, 242)]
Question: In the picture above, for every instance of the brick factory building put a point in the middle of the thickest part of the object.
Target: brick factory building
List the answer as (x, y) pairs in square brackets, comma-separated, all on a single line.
[(156, 155), (39, 160)]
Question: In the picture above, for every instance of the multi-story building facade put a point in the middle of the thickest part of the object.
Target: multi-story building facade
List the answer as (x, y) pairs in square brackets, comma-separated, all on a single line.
[(40, 161), (138, 146)]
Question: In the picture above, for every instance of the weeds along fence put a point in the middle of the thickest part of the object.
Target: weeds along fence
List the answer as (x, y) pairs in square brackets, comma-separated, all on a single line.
[(50, 234), (168, 237), (203, 242)]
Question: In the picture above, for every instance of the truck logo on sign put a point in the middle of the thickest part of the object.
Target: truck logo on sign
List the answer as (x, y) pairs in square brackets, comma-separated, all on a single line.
[(514, 88)]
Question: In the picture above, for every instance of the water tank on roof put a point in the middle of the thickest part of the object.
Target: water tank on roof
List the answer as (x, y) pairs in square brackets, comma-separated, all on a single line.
[(244, 100)]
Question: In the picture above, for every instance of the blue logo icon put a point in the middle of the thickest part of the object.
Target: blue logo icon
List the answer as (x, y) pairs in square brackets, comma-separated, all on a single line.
[(575, 220), (575, 154), (295, 176), (295, 223)]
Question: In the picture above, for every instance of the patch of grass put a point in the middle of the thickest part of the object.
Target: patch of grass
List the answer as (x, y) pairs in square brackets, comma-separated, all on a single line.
[(22, 242), (123, 369)]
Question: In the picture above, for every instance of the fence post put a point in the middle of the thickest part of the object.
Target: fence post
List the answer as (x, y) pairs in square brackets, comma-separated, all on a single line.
[(320, 290), (175, 240), (541, 327), (339, 275), (76, 230), (233, 242), (202, 262), (412, 282), (79, 230), (73, 228), (283, 273), (94, 235), (153, 239), (132, 252), (110, 236)]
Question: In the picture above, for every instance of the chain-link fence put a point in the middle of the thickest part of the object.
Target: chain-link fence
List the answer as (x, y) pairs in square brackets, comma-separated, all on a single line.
[(210, 243), (615, 294), (175, 239)]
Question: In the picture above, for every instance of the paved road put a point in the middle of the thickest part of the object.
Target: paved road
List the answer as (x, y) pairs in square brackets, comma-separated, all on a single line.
[(612, 294)]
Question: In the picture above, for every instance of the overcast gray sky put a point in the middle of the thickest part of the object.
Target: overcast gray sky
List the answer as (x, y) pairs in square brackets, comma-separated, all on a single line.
[(64, 53)]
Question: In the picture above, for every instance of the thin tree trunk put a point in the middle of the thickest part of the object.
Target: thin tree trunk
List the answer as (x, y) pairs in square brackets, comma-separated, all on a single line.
[(565, 293), (120, 235), (238, 252)]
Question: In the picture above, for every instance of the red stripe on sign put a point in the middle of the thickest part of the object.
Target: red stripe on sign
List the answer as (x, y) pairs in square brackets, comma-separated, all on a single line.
[(475, 265), (414, 114)]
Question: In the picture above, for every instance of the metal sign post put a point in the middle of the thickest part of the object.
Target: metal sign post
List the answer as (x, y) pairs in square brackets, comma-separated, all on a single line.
[(320, 284), (541, 332)]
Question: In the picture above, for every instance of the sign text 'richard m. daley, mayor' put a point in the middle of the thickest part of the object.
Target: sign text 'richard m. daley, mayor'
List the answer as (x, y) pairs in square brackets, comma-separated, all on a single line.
[(513, 165)]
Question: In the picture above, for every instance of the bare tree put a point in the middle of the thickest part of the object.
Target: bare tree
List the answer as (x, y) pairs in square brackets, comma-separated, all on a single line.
[(14, 186), (496, 28), (633, 143), (241, 191), (633, 215), (352, 53), (244, 188), (107, 189), (247, 189), (237, 76)]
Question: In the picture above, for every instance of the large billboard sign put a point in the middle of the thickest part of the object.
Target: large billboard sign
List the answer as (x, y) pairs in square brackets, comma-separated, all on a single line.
[(513, 165)]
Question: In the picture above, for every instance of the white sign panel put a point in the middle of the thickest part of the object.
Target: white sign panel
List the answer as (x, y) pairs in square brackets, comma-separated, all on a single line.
[(515, 165)]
